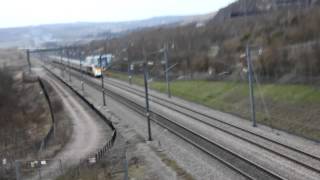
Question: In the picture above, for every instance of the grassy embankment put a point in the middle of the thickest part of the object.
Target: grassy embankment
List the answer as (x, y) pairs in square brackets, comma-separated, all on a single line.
[(294, 108)]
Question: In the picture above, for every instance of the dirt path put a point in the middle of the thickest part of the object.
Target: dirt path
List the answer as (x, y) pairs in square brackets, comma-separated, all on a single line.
[(89, 134)]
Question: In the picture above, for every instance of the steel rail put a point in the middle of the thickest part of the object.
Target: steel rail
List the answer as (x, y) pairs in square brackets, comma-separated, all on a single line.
[(233, 160), (269, 149), (225, 130)]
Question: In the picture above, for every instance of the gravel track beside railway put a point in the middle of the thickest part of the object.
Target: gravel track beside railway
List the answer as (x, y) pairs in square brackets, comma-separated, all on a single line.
[(89, 132)]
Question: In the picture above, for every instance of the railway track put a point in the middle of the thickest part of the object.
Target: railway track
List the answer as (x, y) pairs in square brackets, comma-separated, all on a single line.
[(230, 158), (298, 156), (244, 166)]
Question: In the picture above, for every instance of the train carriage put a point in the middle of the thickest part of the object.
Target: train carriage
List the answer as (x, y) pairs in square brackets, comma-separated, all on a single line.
[(91, 65)]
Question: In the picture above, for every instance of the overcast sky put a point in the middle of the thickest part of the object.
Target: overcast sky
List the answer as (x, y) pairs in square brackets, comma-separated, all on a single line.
[(34, 12)]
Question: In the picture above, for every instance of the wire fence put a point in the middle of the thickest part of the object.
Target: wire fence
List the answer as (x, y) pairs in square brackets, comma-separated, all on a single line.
[(101, 153), (113, 165), (43, 168), (51, 131), (15, 145)]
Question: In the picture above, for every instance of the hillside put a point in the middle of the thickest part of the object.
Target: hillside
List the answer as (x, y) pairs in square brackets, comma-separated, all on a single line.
[(25, 119), (284, 36), (255, 7), (81, 32)]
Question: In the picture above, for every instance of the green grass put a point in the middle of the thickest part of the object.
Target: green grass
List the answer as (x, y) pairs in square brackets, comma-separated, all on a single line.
[(124, 77), (292, 93), (209, 91), (290, 107)]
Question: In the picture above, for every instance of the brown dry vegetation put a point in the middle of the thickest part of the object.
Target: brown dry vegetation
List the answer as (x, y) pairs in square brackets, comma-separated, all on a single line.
[(288, 68), (23, 108), (24, 114), (289, 38), (24, 119)]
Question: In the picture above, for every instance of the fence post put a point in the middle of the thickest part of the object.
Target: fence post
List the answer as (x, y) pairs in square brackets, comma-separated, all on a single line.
[(28, 59), (82, 76), (79, 168), (17, 167), (125, 163), (60, 162), (61, 64), (147, 99), (69, 66), (102, 83), (167, 70), (39, 171), (250, 77)]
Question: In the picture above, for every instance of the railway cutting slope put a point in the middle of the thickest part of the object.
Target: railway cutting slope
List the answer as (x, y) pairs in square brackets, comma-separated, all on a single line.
[(89, 132)]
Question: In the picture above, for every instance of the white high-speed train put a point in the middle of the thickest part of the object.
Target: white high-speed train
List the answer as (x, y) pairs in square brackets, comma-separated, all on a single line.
[(91, 65)]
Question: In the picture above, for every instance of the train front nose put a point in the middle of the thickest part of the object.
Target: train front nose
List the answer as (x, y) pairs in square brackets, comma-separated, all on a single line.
[(98, 72)]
